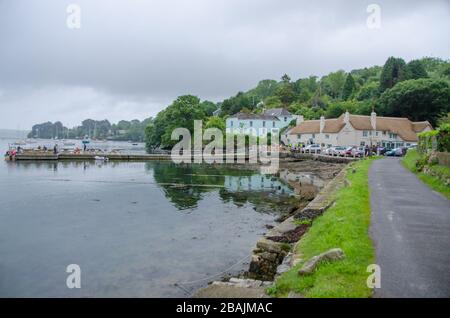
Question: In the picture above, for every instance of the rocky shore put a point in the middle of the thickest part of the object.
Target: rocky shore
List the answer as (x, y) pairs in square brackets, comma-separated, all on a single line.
[(272, 255)]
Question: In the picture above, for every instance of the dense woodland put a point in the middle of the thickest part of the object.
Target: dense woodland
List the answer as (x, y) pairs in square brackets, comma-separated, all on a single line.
[(133, 130), (419, 90)]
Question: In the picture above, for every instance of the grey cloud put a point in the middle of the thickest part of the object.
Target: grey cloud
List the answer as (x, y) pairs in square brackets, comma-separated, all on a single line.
[(135, 56)]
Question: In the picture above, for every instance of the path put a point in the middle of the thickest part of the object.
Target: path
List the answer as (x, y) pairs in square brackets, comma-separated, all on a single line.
[(410, 228)]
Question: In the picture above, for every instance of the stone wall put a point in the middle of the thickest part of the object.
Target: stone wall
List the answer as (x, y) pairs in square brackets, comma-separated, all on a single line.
[(443, 158)]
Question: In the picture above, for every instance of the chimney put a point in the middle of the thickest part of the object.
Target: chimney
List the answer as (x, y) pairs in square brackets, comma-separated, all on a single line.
[(373, 120), (346, 117), (300, 119), (322, 123)]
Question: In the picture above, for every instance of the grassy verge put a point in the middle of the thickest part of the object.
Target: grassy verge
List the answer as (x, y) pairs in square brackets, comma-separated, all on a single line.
[(344, 225), (409, 161)]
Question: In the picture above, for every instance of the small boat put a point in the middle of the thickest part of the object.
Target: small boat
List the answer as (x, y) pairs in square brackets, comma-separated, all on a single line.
[(86, 140), (19, 143), (100, 158)]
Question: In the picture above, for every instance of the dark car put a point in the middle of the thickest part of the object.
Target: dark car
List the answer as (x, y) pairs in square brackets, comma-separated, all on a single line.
[(383, 150), (396, 152)]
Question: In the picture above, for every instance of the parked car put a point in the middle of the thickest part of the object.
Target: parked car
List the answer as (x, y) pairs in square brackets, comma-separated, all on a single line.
[(354, 151), (315, 148), (383, 150), (339, 151), (328, 151), (396, 152)]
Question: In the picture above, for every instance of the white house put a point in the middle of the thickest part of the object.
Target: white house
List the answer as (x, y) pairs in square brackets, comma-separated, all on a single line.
[(270, 121), (356, 130)]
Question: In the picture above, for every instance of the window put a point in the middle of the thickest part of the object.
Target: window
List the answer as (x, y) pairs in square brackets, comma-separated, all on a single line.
[(285, 118), (314, 135), (264, 123), (376, 133), (362, 143), (231, 123), (251, 123), (273, 124), (327, 136), (365, 133), (299, 136)]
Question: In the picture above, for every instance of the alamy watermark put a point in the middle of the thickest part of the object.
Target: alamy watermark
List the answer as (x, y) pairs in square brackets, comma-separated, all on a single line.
[(374, 19), (374, 279), (74, 278), (251, 147), (73, 20)]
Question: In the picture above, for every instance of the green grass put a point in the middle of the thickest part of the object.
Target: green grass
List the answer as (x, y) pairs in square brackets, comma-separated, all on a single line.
[(344, 225), (409, 161)]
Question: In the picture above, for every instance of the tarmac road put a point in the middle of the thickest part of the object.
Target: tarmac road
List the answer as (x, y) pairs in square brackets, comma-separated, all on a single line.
[(410, 227)]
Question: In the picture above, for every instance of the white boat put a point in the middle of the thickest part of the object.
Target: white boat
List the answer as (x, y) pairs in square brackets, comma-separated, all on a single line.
[(19, 143), (86, 140), (99, 158)]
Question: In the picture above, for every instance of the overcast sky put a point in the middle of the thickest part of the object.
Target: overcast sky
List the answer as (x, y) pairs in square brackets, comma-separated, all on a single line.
[(131, 58)]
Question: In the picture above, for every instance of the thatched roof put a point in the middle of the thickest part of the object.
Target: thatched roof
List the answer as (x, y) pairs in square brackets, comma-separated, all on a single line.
[(403, 127)]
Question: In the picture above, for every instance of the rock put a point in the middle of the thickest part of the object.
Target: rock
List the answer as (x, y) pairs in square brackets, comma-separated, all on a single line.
[(269, 246), (272, 257), (331, 255), (246, 283), (283, 268), (285, 265), (267, 283)]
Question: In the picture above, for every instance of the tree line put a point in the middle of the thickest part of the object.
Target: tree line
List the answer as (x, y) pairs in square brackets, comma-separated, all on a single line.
[(124, 130), (418, 90)]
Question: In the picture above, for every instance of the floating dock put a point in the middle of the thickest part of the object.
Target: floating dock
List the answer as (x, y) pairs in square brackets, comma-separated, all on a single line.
[(88, 156), (42, 156)]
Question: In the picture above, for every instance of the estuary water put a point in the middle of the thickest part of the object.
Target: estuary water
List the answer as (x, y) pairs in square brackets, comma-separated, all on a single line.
[(135, 229)]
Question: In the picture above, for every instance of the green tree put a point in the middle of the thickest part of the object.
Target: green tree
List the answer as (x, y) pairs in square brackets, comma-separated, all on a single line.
[(180, 114), (394, 71), (349, 87), (273, 102), (416, 70), (235, 104), (368, 91), (216, 122), (421, 99), (285, 92), (333, 83)]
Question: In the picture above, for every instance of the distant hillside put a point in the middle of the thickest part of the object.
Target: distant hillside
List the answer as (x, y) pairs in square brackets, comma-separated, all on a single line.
[(418, 90), (12, 133)]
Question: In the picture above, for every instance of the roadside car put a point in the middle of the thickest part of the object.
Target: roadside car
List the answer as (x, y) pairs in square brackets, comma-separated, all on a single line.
[(315, 148), (329, 151), (396, 152), (339, 151), (354, 151)]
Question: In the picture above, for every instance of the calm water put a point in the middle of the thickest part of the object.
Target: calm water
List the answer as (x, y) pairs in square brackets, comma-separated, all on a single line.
[(135, 229)]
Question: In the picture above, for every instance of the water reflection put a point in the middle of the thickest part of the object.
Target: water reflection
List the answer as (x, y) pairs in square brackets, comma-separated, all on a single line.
[(185, 185)]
